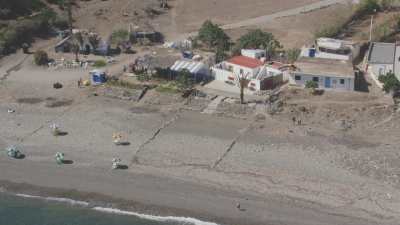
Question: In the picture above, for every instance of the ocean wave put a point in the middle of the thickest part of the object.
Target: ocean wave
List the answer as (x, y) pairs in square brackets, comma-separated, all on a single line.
[(154, 218), (63, 200), (120, 212)]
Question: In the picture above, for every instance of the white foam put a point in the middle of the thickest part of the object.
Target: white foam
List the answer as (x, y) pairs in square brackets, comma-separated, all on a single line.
[(64, 200), (121, 212), (154, 218)]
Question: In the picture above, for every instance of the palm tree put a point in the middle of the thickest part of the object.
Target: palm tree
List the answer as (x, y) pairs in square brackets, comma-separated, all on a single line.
[(242, 81), (76, 43), (68, 6)]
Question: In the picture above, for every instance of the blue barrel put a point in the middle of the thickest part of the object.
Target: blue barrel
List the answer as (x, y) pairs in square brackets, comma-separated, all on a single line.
[(187, 54), (98, 77), (311, 52)]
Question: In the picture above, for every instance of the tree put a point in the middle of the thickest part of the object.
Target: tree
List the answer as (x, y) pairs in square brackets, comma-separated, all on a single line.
[(76, 42), (220, 54), (312, 85), (213, 36), (242, 81), (120, 38), (292, 54), (68, 4), (41, 58), (368, 7), (255, 39), (185, 80), (390, 82)]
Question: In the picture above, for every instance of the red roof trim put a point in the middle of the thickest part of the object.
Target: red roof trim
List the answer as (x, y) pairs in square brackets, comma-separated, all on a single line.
[(246, 61)]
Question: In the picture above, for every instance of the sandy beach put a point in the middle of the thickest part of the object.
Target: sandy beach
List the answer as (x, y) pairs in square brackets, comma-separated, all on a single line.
[(185, 163)]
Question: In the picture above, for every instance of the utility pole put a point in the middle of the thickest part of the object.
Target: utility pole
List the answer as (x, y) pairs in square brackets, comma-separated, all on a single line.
[(69, 12)]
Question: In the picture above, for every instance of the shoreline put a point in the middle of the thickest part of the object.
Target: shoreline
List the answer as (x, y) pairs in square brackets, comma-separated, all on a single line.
[(165, 196), (100, 203), (102, 207)]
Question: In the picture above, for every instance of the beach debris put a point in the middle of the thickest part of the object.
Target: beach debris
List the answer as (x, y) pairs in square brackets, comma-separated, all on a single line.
[(86, 83), (59, 158), (10, 110), (14, 152), (116, 163), (57, 85)]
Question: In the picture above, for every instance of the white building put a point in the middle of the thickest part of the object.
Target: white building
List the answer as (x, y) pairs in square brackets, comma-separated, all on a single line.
[(383, 58), (328, 74), (328, 48), (254, 53), (261, 76)]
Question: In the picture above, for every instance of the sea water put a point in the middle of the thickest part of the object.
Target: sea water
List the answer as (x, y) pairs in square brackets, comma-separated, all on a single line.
[(35, 210)]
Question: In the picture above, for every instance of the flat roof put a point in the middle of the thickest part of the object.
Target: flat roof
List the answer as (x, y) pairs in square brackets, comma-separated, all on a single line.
[(381, 53), (325, 67)]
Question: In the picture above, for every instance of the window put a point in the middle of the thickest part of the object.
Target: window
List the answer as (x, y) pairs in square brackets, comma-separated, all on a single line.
[(297, 77), (315, 79), (230, 68), (341, 81), (241, 71), (381, 71)]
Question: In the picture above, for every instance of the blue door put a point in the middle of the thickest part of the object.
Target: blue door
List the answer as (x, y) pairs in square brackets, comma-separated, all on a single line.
[(327, 82)]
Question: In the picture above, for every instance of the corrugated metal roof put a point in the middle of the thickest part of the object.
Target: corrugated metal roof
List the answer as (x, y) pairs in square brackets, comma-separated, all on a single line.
[(382, 53), (192, 66)]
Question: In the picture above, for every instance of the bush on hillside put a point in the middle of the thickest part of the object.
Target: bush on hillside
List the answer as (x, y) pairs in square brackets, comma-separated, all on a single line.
[(292, 54), (41, 58), (312, 86), (390, 82), (100, 63), (185, 80), (213, 36), (258, 39)]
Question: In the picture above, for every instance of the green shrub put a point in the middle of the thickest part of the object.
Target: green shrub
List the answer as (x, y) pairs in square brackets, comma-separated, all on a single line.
[(41, 58), (170, 87), (331, 30), (368, 7), (61, 22), (258, 39), (185, 80), (100, 63), (311, 84), (119, 36), (212, 36), (293, 54), (143, 76), (390, 82)]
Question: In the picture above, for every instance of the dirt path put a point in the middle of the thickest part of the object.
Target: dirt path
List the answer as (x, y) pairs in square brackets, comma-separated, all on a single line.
[(290, 12), (268, 18), (10, 67)]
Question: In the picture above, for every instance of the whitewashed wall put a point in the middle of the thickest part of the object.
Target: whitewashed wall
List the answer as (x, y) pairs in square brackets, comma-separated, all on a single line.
[(335, 81)]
